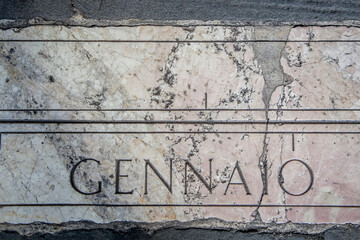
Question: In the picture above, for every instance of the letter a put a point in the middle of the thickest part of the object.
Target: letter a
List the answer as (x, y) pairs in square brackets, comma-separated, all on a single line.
[(237, 167)]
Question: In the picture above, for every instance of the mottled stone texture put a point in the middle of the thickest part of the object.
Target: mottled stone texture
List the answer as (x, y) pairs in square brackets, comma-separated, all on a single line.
[(252, 77), (270, 75)]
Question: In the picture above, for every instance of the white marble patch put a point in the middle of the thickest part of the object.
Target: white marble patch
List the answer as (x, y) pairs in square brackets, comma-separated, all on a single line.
[(248, 98)]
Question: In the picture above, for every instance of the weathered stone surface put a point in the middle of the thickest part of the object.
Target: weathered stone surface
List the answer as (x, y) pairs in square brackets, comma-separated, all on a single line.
[(259, 71)]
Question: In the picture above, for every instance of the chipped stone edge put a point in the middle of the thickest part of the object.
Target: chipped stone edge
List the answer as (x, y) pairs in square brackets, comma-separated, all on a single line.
[(150, 228), (79, 21)]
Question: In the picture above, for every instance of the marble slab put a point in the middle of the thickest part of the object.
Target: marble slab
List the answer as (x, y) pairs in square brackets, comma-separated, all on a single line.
[(162, 123)]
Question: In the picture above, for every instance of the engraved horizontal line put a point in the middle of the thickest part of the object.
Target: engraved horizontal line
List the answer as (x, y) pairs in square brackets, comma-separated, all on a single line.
[(170, 110), (213, 122), (176, 132), (172, 205), (178, 41)]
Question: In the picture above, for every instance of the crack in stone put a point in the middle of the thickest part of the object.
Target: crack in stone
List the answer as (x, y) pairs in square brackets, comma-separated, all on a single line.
[(274, 77), (263, 170)]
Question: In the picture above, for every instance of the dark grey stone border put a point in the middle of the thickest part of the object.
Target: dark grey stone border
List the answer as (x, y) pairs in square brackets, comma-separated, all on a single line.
[(199, 229), (22, 13)]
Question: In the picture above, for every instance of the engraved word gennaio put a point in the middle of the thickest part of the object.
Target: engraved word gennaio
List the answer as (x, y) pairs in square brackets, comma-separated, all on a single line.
[(188, 165)]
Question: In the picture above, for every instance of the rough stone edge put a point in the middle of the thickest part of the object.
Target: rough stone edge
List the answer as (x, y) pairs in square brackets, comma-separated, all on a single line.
[(78, 21), (149, 228)]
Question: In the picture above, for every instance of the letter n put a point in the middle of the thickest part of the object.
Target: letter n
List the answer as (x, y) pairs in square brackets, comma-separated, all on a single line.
[(167, 185), (202, 179)]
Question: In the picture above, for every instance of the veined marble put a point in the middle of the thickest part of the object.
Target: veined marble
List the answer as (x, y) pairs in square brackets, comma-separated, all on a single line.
[(261, 71)]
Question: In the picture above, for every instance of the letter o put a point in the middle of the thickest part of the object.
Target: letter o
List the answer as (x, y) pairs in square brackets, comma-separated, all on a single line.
[(281, 178)]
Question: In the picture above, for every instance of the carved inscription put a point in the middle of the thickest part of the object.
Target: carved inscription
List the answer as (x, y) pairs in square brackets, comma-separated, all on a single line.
[(188, 164)]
